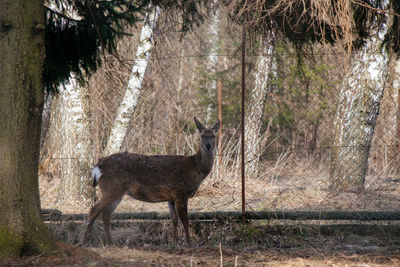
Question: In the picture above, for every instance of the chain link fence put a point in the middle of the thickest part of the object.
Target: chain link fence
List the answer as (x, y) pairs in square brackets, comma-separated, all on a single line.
[(296, 133)]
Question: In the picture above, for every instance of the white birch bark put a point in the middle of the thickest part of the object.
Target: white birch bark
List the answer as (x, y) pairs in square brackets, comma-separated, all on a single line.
[(385, 154), (263, 70), (45, 117), (212, 62), (180, 81), (76, 143), (131, 97), (396, 96), (358, 109)]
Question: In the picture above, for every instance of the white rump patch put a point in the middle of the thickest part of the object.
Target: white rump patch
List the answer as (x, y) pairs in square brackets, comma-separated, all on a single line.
[(96, 174)]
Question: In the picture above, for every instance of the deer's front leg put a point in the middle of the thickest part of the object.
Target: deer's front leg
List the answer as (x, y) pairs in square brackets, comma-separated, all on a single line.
[(174, 218), (181, 209)]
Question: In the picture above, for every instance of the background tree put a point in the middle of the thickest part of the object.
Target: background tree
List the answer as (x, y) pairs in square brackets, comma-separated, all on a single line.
[(131, 97), (303, 23), (262, 83), (73, 106), (359, 102)]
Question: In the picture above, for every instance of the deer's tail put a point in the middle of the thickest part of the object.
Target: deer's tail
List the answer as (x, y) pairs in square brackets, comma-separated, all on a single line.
[(96, 174)]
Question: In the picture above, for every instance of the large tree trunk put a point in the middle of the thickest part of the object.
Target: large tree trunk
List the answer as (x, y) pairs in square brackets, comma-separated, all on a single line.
[(131, 97), (75, 149), (355, 118), (258, 96), (22, 230)]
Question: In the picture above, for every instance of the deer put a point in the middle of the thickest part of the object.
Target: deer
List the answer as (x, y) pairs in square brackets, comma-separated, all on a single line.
[(153, 178)]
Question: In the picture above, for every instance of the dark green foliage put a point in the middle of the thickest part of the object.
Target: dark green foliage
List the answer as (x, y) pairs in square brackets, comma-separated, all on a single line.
[(300, 98), (74, 45), (230, 97)]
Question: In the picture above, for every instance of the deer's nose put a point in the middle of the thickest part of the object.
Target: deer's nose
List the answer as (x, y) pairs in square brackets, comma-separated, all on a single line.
[(208, 146)]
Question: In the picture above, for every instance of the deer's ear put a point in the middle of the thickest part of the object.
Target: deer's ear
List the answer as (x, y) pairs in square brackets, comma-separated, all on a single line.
[(199, 126), (215, 127)]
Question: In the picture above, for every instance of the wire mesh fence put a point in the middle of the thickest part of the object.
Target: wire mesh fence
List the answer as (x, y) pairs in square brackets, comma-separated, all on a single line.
[(296, 132)]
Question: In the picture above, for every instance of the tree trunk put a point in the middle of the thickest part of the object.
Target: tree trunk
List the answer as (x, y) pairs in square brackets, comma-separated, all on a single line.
[(76, 145), (22, 230), (257, 100), (355, 118), (212, 62), (45, 118), (385, 154), (129, 102), (396, 89)]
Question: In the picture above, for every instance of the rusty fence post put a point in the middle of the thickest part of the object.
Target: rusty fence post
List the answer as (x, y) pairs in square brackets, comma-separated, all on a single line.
[(243, 122), (219, 85)]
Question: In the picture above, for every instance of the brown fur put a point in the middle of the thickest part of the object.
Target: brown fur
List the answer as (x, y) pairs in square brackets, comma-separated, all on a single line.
[(157, 178)]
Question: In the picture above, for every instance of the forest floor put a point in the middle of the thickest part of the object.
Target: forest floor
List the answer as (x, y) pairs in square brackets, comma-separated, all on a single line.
[(257, 243)]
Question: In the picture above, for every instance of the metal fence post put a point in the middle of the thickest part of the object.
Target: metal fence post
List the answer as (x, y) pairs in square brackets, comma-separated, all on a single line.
[(243, 122)]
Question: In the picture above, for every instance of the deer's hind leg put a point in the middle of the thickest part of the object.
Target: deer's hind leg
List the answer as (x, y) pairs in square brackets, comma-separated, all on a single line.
[(174, 219), (107, 213), (105, 203)]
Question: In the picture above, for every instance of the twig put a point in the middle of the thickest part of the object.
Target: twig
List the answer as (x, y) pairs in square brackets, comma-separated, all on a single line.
[(35, 258), (220, 251), (61, 14)]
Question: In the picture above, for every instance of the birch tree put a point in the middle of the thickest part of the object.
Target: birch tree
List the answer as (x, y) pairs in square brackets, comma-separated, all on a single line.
[(258, 95), (358, 108), (386, 136), (396, 88), (75, 136), (132, 93), (212, 62)]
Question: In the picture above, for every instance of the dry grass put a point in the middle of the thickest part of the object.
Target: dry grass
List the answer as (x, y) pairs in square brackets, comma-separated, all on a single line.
[(75, 256), (212, 257), (144, 243), (286, 184)]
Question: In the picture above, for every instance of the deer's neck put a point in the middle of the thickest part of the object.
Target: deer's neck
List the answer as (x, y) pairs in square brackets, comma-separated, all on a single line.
[(204, 163)]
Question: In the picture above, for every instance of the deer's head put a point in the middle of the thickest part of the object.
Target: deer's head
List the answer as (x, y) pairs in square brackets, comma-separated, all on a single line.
[(208, 137)]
